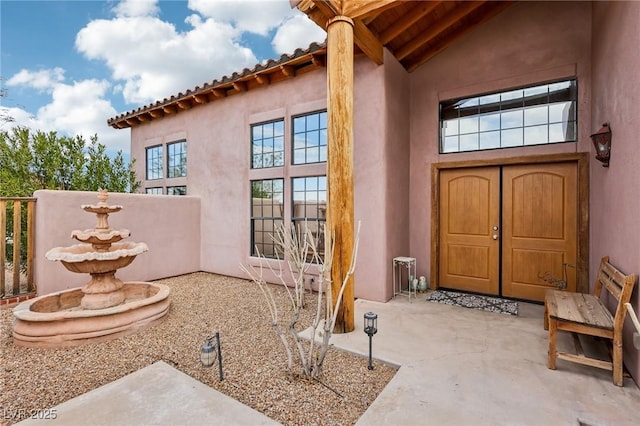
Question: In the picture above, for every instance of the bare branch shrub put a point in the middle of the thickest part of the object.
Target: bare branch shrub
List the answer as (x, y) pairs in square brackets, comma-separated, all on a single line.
[(299, 246)]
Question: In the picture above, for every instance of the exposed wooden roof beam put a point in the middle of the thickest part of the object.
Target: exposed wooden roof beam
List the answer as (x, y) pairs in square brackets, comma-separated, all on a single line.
[(169, 109), (240, 86), (200, 99), (288, 70), (219, 93), (368, 42), (263, 79), (319, 60), (132, 122), (156, 113), (184, 104), (143, 117), (421, 9), (499, 7), (358, 9), (440, 26)]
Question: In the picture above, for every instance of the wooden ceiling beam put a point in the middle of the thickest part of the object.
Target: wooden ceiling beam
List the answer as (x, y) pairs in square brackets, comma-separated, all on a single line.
[(421, 9), (319, 60), (219, 93), (358, 9), (143, 118), (442, 24), (367, 42), (132, 121), (426, 56), (156, 113)]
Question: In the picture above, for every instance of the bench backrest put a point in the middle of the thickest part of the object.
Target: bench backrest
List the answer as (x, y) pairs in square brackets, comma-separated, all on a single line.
[(619, 285)]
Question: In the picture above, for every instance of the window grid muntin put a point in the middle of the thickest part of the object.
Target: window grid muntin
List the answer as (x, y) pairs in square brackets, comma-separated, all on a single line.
[(459, 133), (154, 166), (156, 190), (309, 138), (267, 144), (177, 159), (266, 217), (177, 190), (309, 205)]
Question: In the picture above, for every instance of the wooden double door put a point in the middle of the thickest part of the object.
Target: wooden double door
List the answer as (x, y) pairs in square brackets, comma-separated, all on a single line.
[(505, 230)]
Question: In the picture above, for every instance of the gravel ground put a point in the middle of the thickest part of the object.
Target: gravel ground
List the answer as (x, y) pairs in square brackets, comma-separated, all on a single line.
[(253, 359)]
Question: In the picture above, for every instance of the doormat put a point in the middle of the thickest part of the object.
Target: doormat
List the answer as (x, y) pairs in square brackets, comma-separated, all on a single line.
[(474, 301)]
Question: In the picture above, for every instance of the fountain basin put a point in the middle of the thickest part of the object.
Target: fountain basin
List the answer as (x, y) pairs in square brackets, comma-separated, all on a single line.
[(83, 258), (104, 237), (57, 319)]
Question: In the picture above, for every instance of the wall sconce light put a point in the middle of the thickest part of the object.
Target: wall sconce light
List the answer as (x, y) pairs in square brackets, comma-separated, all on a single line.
[(602, 142), (210, 351), (371, 328)]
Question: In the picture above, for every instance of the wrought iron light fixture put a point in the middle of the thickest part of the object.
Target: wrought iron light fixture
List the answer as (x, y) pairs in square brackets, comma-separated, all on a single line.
[(602, 142), (211, 351), (371, 328)]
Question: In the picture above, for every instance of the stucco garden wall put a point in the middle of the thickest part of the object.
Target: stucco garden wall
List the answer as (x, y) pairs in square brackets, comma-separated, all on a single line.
[(615, 193), (170, 226), (529, 42)]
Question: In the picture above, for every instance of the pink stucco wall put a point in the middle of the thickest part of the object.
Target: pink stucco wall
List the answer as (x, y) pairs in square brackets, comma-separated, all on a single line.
[(529, 42), (218, 146), (169, 225), (615, 193)]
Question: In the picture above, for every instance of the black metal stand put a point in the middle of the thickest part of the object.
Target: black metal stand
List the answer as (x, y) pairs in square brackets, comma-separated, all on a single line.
[(219, 356), (370, 360)]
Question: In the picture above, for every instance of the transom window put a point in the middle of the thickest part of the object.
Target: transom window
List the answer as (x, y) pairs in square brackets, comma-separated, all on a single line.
[(155, 190), (267, 215), (154, 162), (267, 144), (535, 115), (177, 159), (310, 138)]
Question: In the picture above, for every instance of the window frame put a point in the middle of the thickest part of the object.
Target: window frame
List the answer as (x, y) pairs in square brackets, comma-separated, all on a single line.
[(528, 104), (181, 154), (157, 169), (306, 148), (273, 152)]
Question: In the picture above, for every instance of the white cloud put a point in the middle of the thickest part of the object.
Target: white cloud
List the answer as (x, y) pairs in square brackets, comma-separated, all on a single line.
[(133, 8), (79, 108), (299, 31), (42, 80), (254, 16)]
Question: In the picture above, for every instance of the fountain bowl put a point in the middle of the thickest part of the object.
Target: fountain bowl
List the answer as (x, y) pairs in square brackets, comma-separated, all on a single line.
[(83, 258), (57, 319)]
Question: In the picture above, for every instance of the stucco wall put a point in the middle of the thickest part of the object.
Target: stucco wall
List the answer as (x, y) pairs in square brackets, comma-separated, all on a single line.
[(218, 154), (169, 226), (615, 197), (529, 42)]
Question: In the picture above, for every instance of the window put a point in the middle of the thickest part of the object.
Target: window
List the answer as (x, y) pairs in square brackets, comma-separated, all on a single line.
[(177, 190), (154, 162), (305, 190), (310, 206), (267, 144), (267, 214), (310, 138), (536, 115), (177, 159), (155, 191)]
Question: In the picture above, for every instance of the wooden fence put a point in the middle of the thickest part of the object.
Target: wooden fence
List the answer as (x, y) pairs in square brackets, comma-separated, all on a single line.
[(17, 240)]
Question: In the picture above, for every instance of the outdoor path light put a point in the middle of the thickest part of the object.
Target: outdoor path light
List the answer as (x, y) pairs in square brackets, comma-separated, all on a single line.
[(210, 351), (371, 328)]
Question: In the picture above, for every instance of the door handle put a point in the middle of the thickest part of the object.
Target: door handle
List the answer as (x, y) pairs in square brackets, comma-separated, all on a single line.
[(495, 236), (495, 228)]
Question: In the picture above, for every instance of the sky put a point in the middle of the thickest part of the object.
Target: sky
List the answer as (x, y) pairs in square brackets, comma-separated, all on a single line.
[(70, 65)]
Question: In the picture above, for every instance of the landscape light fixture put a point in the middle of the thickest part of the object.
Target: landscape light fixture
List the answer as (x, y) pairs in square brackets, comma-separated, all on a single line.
[(211, 351), (602, 142), (371, 328)]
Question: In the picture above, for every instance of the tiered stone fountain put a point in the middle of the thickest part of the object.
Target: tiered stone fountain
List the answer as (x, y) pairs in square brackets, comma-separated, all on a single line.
[(106, 307)]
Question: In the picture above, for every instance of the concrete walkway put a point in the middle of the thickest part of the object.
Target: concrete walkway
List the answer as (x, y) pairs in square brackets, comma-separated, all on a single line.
[(458, 367)]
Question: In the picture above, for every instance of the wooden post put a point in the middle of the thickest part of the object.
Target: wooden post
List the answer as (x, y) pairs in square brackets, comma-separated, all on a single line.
[(17, 233), (340, 218)]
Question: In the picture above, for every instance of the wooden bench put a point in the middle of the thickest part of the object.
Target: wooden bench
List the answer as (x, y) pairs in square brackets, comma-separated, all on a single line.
[(587, 314)]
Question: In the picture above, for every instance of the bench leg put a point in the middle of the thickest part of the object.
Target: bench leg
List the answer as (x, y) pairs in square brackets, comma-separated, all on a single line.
[(553, 327), (617, 361), (546, 316)]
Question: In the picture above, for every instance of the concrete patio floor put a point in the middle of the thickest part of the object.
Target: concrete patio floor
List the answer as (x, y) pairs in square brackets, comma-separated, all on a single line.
[(458, 366)]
